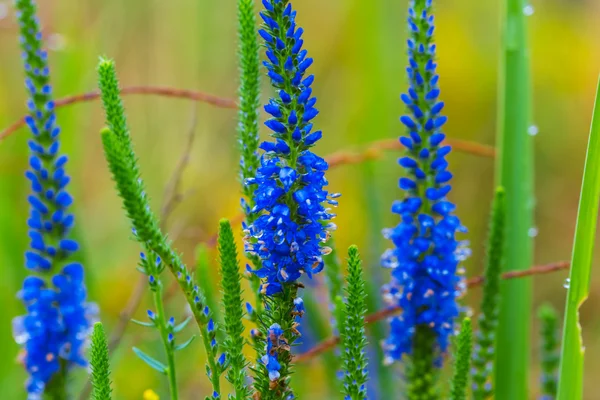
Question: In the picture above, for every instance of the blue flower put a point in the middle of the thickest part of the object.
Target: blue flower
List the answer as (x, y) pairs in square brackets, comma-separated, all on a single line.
[(275, 340), (58, 317), (292, 220), (426, 278)]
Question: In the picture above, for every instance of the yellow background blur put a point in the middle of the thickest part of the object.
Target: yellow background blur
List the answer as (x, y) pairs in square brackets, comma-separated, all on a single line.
[(359, 52)]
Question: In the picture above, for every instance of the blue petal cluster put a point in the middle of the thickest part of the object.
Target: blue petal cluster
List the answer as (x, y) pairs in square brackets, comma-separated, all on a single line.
[(292, 222), (275, 340), (426, 278), (55, 327), (58, 317)]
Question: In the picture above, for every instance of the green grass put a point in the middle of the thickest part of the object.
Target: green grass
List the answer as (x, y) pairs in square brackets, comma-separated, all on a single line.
[(514, 172), (570, 382)]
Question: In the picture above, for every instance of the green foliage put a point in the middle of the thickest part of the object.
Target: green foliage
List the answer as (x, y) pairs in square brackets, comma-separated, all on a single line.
[(488, 319), (234, 312), (100, 364), (249, 103), (421, 374), (249, 93), (549, 335), (123, 165), (353, 338), (460, 380), (514, 170), (570, 382), (122, 160), (153, 267)]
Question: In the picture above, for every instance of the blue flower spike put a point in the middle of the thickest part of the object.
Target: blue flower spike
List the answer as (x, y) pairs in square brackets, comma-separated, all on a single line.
[(425, 274), (58, 320), (291, 204)]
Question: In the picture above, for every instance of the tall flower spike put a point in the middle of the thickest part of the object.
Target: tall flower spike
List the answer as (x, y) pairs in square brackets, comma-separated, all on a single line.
[(291, 222), (58, 319), (424, 262), (288, 233)]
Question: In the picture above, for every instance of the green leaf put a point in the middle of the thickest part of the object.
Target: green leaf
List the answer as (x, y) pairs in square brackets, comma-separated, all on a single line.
[(488, 319), (142, 323), (157, 365), (570, 382), (353, 335), (100, 364), (515, 173), (185, 344), (178, 328), (460, 380)]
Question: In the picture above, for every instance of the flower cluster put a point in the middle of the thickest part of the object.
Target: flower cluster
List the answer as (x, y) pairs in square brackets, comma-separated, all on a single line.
[(424, 263), (275, 342), (289, 197), (58, 318)]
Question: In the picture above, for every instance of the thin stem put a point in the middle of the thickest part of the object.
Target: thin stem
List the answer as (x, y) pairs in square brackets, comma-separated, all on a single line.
[(167, 344), (201, 97), (214, 375), (331, 342), (57, 387)]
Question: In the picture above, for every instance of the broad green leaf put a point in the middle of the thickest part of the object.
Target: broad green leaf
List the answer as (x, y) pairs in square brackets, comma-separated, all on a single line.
[(570, 382), (157, 365), (185, 344), (142, 323), (179, 327)]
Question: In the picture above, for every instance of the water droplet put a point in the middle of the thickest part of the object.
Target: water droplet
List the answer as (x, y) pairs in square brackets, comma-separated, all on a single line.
[(528, 10), (56, 42), (3, 10), (567, 283), (533, 232), (533, 130), (20, 333)]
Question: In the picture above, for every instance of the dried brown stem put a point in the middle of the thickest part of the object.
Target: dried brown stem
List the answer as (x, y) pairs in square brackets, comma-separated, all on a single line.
[(388, 312), (145, 90)]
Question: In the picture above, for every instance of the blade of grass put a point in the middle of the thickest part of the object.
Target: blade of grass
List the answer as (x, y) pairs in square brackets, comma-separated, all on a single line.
[(570, 382), (515, 173)]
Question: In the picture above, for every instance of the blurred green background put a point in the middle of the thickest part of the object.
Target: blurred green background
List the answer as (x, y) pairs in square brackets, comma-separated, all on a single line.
[(359, 54)]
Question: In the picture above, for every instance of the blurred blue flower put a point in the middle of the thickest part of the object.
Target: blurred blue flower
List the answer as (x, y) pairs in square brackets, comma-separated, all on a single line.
[(58, 317)]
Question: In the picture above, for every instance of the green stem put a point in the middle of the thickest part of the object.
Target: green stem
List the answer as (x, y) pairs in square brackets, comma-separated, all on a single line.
[(421, 373), (515, 173), (164, 335), (57, 387), (214, 371)]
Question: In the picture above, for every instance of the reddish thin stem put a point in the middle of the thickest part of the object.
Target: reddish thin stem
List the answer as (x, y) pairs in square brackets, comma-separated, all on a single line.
[(374, 151), (388, 312), (201, 97)]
